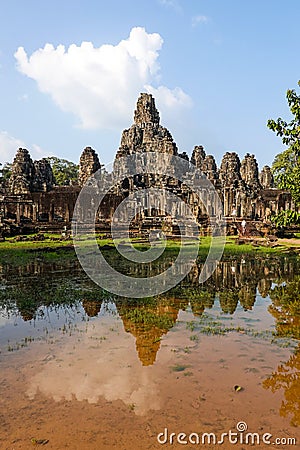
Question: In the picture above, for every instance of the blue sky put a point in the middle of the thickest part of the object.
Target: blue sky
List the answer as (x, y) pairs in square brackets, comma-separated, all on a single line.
[(218, 70)]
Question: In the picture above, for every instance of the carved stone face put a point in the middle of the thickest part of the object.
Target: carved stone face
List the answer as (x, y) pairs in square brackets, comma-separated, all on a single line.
[(89, 164), (230, 168), (266, 178), (23, 173), (198, 156), (249, 170), (44, 179), (146, 111)]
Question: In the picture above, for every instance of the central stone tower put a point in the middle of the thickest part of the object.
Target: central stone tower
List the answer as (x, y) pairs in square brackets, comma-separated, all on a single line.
[(146, 134)]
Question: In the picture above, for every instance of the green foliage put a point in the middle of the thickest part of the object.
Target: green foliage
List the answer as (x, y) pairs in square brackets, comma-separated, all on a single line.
[(286, 171), (287, 379), (286, 166), (5, 172), (287, 297), (286, 218), (65, 172), (289, 132), (285, 308)]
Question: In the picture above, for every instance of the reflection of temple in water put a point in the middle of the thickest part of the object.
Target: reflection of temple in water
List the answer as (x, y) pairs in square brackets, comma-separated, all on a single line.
[(91, 307), (287, 377), (285, 308), (147, 323), (235, 282)]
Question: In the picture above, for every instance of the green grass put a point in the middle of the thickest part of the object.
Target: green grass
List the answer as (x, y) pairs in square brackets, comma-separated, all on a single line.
[(232, 248), (52, 247), (211, 326), (179, 368), (147, 318)]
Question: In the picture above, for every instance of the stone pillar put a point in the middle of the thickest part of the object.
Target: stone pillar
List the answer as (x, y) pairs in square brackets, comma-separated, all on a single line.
[(51, 212), (34, 212), (18, 212), (67, 215)]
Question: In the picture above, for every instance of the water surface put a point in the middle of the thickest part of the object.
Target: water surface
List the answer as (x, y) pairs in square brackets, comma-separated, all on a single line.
[(85, 369)]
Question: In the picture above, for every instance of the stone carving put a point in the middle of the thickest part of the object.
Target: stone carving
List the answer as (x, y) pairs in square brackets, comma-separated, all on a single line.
[(43, 180), (146, 135), (209, 168), (229, 173), (266, 178), (146, 112), (249, 172), (23, 172), (89, 164), (233, 190), (198, 156)]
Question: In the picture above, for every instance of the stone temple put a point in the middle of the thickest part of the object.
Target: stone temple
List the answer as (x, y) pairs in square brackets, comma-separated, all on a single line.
[(31, 199)]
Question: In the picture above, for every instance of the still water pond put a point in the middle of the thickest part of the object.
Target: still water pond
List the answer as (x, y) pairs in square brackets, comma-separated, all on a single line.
[(83, 369)]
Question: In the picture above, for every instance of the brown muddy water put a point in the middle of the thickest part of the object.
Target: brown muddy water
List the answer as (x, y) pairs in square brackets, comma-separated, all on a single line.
[(83, 369)]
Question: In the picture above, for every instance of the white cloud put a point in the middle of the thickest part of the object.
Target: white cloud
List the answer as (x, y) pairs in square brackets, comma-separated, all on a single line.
[(100, 85), (114, 373), (170, 98), (196, 20), (171, 4), (23, 98), (169, 102), (9, 146)]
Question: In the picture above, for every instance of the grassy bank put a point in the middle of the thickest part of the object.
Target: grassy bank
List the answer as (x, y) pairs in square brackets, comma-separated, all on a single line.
[(52, 247)]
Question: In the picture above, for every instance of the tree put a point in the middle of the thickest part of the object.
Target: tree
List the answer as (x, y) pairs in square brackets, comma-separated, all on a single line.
[(5, 172), (286, 218), (286, 171), (289, 132), (65, 172), (286, 166)]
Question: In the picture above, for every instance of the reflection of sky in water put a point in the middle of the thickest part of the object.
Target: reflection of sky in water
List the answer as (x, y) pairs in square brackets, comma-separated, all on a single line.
[(14, 328), (258, 318), (88, 366), (99, 359), (4, 320), (95, 350), (48, 320)]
